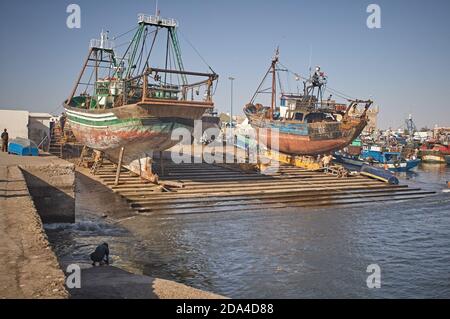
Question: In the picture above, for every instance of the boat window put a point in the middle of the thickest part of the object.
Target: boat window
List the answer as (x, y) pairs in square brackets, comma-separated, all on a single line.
[(315, 117), (299, 116)]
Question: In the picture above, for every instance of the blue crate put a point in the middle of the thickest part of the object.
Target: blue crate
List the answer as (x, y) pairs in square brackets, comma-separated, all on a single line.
[(23, 147)]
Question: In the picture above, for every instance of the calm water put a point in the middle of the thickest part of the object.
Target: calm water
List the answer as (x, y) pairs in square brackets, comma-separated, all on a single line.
[(283, 254)]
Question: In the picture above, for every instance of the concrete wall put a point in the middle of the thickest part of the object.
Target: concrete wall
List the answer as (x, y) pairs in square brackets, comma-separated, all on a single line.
[(16, 122), (53, 190)]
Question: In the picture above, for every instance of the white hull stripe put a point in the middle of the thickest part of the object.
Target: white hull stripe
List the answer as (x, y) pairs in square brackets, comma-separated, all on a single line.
[(94, 119), (91, 116)]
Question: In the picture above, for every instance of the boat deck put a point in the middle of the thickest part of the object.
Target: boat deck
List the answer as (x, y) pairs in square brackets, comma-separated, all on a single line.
[(222, 188)]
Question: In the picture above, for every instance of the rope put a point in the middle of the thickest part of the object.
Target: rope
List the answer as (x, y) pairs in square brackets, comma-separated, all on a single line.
[(121, 35), (196, 51), (329, 89)]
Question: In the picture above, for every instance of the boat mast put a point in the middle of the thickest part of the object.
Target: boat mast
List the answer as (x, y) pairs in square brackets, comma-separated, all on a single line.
[(274, 83)]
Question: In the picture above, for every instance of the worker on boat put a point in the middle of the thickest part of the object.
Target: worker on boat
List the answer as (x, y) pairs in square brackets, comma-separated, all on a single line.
[(5, 138), (100, 255)]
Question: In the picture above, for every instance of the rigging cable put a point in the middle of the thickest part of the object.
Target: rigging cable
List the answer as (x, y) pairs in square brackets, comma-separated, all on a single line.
[(125, 33), (146, 65), (142, 49), (196, 51), (327, 88)]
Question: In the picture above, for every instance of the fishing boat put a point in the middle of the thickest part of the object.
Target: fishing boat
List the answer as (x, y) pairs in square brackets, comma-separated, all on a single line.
[(128, 101), (309, 125), (392, 161), (434, 153)]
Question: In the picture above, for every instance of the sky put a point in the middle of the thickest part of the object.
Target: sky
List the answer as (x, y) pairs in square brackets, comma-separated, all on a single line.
[(403, 66)]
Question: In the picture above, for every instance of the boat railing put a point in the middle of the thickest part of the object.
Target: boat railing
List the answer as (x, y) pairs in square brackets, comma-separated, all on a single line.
[(112, 92), (156, 20), (324, 105), (101, 44), (45, 143)]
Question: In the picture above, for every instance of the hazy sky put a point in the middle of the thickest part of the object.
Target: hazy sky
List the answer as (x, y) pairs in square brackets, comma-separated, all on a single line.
[(404, 66)]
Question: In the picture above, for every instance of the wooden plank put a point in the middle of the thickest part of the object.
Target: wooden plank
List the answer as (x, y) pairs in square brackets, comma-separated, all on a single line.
[(249, 183), (281, 186), (280, 196), (223, 194), (259, 208), (246, 202)]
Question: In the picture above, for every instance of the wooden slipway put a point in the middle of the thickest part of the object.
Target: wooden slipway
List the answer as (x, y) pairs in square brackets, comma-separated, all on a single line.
[(221, 189)]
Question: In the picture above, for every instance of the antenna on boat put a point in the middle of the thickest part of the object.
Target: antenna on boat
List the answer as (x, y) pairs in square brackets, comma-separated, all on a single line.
[(310, 58), (157, 13)]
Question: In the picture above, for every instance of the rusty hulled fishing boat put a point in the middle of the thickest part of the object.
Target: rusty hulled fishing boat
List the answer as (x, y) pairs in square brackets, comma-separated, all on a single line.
[(304, 124), (124, 101)]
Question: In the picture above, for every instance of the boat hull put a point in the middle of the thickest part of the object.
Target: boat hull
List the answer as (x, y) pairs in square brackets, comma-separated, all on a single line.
[(140, 128), (433, 159), (398, 167), (308, 139)]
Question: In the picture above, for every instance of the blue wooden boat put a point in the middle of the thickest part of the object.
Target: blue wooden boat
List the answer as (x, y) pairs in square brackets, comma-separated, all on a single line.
[(23, 147), (392, 161)]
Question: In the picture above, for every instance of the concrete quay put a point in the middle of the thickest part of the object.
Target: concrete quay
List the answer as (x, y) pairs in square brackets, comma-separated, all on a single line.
[(28, 266), (50, 181)]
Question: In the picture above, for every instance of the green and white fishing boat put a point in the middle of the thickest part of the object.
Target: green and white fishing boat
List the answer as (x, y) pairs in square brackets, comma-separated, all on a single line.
[(128, 101)]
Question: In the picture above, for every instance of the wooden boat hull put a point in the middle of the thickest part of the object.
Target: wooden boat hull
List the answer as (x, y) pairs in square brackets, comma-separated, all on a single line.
[(394, 167), (307, 138), (140, 128)]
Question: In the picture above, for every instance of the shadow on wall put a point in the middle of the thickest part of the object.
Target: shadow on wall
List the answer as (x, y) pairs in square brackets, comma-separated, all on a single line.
[(54, 204), (37, 131)]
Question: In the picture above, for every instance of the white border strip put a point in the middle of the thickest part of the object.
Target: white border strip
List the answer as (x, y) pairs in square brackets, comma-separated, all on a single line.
[(111, 118), (91, 115)]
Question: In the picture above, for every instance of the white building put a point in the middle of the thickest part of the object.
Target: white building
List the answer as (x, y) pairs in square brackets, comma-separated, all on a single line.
[(34, 126)]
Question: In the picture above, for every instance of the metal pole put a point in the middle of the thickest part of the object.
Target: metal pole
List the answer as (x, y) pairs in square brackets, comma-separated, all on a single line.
[(231, 104)]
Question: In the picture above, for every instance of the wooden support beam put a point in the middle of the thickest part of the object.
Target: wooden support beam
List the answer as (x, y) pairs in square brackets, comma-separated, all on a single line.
[(119, 166)]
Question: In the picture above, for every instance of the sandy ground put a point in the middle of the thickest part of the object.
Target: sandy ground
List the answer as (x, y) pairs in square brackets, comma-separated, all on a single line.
[(28, 266)]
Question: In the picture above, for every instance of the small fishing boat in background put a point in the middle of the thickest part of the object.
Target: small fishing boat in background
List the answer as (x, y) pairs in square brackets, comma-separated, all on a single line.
[(309, 125), (390, 160), (374, 156), (434, 152)]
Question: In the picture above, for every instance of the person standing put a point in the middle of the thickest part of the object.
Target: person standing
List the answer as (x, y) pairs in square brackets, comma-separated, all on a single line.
[(5, 138), (62, 123)]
